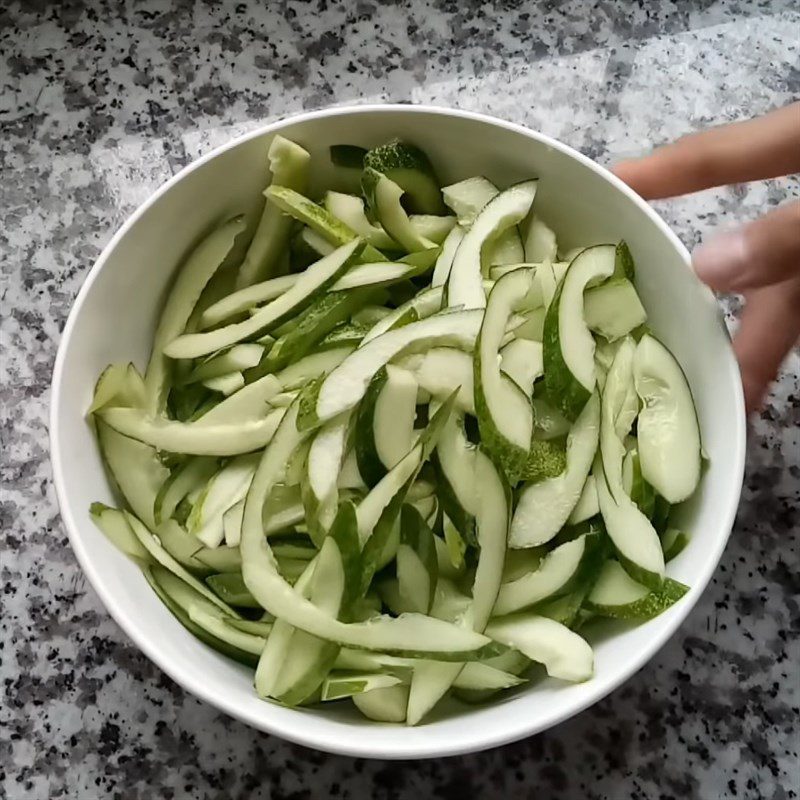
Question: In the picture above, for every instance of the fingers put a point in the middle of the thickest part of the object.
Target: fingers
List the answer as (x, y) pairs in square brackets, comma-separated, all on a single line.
[(765, 147), (761, 253), (770, 326)]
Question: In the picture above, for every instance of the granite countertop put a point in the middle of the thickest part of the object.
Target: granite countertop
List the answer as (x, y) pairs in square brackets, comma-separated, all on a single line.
[(100, 103)]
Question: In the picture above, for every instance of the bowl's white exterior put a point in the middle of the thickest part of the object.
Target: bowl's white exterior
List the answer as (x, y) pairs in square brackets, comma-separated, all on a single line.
[(114, 316)]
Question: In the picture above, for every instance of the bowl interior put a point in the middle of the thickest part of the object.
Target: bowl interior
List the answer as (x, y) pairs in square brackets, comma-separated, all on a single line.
[(115, 315)]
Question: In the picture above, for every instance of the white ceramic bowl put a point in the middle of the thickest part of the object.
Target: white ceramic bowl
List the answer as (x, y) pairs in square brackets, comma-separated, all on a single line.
[(114, 316)]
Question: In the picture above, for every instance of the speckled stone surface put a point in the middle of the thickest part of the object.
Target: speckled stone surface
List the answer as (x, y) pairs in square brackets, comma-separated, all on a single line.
[(99, 104)]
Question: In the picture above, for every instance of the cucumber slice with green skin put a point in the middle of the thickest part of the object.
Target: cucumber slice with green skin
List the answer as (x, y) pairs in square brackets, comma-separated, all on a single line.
[(238, 358), (441, 369), (421, 306), (161, 556), (540, 241), (256, 627), (349, 156), (521, 360), (432, 227), (346, 385), (135, 467), (624, 266), (569, 370), (616, 594), (217, 625), (232, 523), (192, 475), (454, 461), (191, 438), (613, 309), (673, 542), (505, 417), (350, 210), (241, 301), (183, 296), (519, 563), (345, 334), (465, 283), (119, 385), (316, 241), (384, 427), (386, 196), (417, 566), (636, 487), (564, 654), (506, 250), (112, 522), (668, 433), (229, 586), (449, 568), (183, 547), (559, 572), (311, 366), (220, 559), (383, 705), (483, 677), (444, 262), (339, 685), (544, 507), (310, 284), (532, 326), (410, 634), (588, 505), (289, 164), (409, 168), (249, 404), (225, 384), (370, 315), (387, 272), (154, 576), (318, 219)]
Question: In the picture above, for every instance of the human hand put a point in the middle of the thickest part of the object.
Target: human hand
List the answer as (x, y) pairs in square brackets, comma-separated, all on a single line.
[(760, 260)]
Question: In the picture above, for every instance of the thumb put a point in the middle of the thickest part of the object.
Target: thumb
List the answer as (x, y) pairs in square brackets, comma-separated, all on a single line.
[(761, 253)]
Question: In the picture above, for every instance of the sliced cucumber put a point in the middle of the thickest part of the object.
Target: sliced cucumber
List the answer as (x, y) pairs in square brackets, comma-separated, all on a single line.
[(311, 366), (346, 684), (345, 386), (289, 164), (477, 676), (564, 654), (119, 385), (249, 404), (370, 315), (229, 586), (315, 280), (191, 476), (112, 522), (673, 542), (613, 309), (441, 271), (421, 306), (540, 241), (432, 227), (225, 384), (241, 301), (350, 210), (440, 370), (383, 705), (183, 296), (521, 360), (465, 283), (532, 325), (668, 433), (587, 506), (417, 566), (569, 370), (544, 507)]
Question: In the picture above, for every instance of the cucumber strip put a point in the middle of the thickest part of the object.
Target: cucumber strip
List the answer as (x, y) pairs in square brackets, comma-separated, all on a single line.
[(191, 438), (238, 358), (532, 325), (384, 427), (346, 385), (315, 280), (588, 505), (370, 315), (549, 422), (613, 309), (220, 559), (249, 404), (410, 168), (156, 576), (569, 369), (544, 507), (564, 654), (540, 241), (444, 262), (225, 384), (136, 469), (192, 278), (218, 626), (192, 475), (160, 555), (112, 522), (349, 476), (232, 523), (229, 586), (289, 164), (624, 266), (477, 676), (243, 300), (386, 196), (119, 385), (465, 282), (311, 366), (636, 487), (346, 684), (555, 576), (316, 242), (350, 210), (616, 594), (441, 369), (668, 433), (410, 634), (673, 542), (385, 272), (318, 219), (383, 705), (417, 566), (345, 334), (521, 360), (256, 627), (431, 226), (467, 198), (180, 545), (421, 306), (284, 399)]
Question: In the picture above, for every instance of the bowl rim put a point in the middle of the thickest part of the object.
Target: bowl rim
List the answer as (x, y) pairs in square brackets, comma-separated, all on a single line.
[(297, 731)]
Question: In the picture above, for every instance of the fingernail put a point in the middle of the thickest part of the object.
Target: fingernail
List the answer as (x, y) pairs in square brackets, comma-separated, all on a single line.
[(722, 261)]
